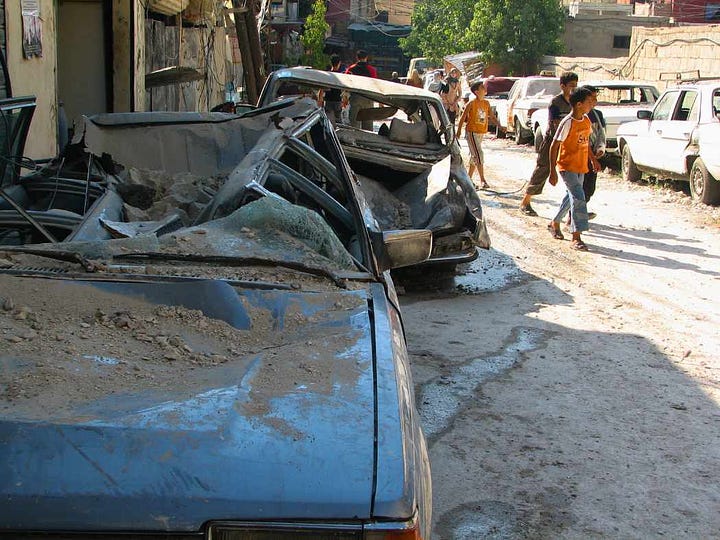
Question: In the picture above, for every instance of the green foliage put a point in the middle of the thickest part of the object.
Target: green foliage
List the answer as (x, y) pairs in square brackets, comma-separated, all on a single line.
[(516, 33), (437, 26), (513, 33), (313, 36)]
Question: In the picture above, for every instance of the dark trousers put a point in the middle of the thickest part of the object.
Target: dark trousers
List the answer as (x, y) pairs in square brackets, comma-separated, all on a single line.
[(542, 168), (589, 184)]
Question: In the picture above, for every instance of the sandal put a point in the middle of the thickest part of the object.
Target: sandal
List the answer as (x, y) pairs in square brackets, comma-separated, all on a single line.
[(556, 234), (578, 245), (528, 210)]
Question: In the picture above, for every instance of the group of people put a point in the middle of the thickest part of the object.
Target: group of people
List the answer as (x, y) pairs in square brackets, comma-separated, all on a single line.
[(572, 145)]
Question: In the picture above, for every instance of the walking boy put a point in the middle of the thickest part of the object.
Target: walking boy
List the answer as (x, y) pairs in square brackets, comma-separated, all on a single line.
[(476, 115), (358, 103), (559, 107), (570, 151), (331, 99)]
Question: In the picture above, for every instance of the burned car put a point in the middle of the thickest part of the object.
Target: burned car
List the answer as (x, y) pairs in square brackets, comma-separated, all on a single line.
[(409, 164), (211, 347)]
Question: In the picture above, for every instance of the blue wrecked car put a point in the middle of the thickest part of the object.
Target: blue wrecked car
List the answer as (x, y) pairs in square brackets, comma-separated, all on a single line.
[(200, 339)]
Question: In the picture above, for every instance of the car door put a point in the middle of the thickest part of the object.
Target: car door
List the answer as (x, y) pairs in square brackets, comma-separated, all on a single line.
[(649, 148), (676, 132)]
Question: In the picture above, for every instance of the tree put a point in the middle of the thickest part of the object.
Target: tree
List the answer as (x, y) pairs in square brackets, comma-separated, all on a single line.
[(513, 33), (516, 33), (313, 36), (437, 26)]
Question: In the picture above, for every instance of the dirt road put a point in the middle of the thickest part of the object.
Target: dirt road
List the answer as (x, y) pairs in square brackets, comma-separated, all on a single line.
[(575, 395)]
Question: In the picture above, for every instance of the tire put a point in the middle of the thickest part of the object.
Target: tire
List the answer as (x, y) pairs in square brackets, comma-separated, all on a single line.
[(630, 172), (518, 132), (538, 139), (703, 187), (499, 131)]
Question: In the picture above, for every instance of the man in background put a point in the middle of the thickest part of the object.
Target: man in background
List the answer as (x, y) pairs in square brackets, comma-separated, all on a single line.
[(357, 103)]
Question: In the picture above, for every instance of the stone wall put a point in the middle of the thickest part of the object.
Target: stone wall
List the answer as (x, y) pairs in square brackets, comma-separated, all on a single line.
[(668, 55), (662, 56)]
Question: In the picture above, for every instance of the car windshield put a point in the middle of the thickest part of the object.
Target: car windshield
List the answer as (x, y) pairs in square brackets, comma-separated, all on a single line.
[(626, 95), (543, 87), (215, 193)]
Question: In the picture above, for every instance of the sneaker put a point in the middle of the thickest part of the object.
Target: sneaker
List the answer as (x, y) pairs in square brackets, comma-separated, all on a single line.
[(528, 210), (592, 215)]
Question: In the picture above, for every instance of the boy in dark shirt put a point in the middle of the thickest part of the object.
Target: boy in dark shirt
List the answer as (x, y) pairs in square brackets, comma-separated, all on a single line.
[(331, 99), (559, 108)]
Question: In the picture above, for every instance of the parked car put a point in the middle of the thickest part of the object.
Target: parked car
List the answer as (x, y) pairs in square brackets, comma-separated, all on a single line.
[(232, 367), (678, 139), (618, 101), (409, 167), (498, 88), (527, 95)]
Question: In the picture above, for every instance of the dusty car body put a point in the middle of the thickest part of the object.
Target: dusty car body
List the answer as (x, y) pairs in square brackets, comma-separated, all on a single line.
[(239, 371), (678, 139), (498, 89), (618, 100), (409, 166)]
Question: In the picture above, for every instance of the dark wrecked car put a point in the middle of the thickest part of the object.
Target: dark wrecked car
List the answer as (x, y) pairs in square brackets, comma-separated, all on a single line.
[(214, 349), (409, 165)]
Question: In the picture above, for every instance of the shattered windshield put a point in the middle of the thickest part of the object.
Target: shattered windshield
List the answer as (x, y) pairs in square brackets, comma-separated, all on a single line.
[(267, 189)]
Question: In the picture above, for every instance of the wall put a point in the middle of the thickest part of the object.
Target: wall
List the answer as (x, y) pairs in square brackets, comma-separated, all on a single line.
[(662, 56), (586, 67), (668, 54), (35, 76), (128, 55), (593, 35)]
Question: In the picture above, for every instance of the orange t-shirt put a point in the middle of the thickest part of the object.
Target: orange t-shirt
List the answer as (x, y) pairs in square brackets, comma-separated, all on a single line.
[(575, 144), (478, 111)]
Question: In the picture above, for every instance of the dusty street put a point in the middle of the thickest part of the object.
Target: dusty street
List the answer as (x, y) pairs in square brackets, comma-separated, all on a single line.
[(568, 394)]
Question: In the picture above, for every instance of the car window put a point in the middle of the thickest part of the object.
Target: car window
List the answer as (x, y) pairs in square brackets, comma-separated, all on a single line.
[(542, 87), (625, 95), (688, 108), (515, 90), (664, 107), (716, 103)]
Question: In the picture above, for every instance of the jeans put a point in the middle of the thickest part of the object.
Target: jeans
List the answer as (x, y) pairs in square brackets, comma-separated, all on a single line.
[(574, 201)]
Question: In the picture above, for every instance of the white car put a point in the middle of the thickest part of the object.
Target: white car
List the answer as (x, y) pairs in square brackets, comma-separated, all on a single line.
[(618, 101), (527, 95), (678, 139)]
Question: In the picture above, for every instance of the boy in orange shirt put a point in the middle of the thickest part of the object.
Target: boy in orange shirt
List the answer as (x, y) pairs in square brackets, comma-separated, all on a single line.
[(476, 115), (569, 153)]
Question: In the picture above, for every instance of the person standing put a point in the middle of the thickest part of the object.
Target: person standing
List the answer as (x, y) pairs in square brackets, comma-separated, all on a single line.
[(569, 153), (559, 107), (363, 68), (415, 79), (450, 94), (476, 115), (331, 100), (597, 148)]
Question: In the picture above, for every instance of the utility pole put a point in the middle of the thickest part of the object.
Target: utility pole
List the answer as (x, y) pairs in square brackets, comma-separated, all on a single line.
[(248, 36)]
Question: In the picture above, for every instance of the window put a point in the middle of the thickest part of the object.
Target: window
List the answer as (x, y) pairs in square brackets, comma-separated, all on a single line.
[(664, 107), (688, 107), (712, 12), (621, 42)]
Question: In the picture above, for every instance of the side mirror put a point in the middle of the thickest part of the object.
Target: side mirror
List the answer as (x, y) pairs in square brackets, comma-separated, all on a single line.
[(395, 249), (644, 114)]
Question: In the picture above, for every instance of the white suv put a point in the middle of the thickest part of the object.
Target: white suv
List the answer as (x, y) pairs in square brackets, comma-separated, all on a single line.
[(678, 139)]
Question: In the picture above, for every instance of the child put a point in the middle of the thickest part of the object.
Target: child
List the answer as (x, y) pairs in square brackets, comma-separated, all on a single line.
[(476, 115), (570, 151)]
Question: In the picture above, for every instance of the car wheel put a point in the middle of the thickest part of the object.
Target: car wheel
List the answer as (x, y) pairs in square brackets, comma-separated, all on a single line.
[(630, 172), (703, 187), (518, 132), (499, 132), (538, 139)]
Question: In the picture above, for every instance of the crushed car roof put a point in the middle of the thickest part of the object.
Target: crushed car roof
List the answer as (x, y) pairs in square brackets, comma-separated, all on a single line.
[(357, 83)]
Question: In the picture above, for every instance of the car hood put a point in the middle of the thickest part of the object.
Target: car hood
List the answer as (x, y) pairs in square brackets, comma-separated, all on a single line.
[(160, 406)]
